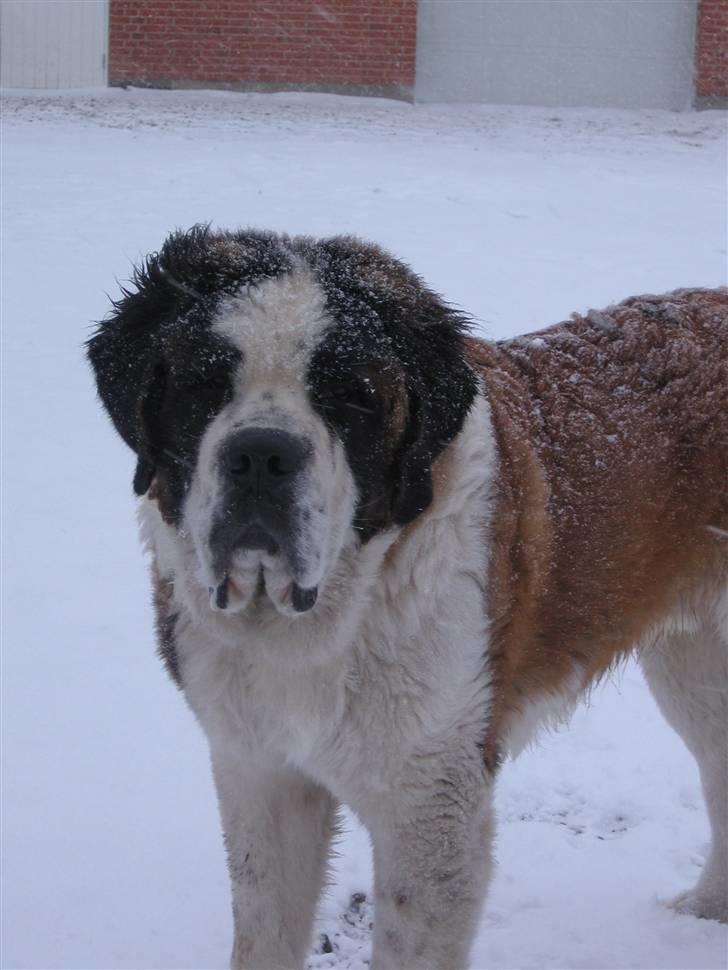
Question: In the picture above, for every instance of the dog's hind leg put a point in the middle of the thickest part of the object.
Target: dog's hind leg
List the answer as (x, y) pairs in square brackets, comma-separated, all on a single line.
[(688, 676)]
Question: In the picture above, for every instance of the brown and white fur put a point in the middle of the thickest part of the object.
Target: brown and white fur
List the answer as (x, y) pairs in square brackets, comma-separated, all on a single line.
[(576, 510)]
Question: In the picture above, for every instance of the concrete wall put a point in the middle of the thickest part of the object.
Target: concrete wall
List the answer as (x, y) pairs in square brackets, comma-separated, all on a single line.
[(607, 53)]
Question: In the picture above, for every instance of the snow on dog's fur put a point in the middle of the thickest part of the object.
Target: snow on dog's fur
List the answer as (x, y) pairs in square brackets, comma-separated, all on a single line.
[(385, 553)]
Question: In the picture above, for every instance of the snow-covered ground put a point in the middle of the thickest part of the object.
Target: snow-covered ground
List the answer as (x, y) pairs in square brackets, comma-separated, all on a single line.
[(112, 854)]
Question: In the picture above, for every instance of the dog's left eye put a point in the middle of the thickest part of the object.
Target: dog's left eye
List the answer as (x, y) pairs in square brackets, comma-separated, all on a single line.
[(357, 394), (216, 382)]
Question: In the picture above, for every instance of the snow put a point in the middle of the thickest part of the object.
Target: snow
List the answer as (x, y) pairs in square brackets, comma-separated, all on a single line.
[(112, 852)]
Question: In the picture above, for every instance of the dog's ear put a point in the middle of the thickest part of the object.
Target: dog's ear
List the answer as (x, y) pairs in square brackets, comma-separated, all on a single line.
[(427, 338), (130, 383), (441, 389), (125, 351), (149, 405)]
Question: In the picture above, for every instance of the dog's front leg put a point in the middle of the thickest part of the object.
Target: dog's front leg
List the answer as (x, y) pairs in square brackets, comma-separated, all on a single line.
[(432, 859), (278, 827)]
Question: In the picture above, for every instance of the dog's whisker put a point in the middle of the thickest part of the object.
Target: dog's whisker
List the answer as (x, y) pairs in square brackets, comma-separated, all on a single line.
[(178, 459)]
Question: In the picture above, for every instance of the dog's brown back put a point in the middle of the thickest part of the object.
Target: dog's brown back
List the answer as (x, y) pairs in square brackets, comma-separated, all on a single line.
[(612, 488)]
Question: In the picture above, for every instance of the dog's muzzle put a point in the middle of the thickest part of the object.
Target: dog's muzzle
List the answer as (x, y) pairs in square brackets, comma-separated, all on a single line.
[(261, 470)]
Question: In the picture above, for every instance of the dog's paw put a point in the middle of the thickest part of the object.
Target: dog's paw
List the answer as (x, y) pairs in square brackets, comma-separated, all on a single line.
[(701, 904)]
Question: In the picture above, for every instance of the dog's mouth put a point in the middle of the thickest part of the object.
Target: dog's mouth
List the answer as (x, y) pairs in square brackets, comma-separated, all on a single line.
[(228, 595), (257, 565), (255, 537)]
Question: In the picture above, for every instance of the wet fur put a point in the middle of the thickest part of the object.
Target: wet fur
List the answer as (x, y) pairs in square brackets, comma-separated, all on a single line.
[(525, 514)]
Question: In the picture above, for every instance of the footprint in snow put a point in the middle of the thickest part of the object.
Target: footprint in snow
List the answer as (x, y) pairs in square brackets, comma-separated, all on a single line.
[(345, 943)]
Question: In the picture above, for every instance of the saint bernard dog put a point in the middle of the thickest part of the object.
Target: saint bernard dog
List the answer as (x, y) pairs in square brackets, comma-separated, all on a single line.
[(384, 552)]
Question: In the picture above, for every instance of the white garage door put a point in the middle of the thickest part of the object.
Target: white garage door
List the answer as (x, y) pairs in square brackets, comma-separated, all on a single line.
[(606, 53), (53, 43)]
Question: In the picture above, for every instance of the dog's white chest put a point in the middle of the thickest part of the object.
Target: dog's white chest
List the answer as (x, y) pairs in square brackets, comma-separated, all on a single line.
[(359, 716)]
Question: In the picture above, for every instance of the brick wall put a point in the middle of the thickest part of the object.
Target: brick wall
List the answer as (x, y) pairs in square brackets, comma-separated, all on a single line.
[(712, 53), (321, 44)]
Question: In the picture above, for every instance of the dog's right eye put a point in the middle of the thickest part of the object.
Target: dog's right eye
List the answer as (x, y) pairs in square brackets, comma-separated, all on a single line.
[(217, 382), (357, 394)]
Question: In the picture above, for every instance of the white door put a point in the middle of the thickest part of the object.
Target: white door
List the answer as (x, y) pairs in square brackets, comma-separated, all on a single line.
[(53, 43), (601, 53)]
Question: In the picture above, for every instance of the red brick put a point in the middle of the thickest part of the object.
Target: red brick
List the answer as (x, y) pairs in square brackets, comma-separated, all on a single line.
[(370, 41), (712, 49)]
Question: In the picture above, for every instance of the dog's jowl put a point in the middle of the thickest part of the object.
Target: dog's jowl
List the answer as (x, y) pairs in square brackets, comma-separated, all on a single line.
[(386, 552)]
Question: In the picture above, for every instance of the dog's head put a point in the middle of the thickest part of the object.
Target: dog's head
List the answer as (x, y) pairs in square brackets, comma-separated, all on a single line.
[(285, 398)]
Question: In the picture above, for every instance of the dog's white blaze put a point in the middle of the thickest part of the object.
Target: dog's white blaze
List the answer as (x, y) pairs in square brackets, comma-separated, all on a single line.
[(276, 325)]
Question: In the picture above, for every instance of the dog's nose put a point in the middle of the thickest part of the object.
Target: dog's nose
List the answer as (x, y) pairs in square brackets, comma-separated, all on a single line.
[(264, 459)]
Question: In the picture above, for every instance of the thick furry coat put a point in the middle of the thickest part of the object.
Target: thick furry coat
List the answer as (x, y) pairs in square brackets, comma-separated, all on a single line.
[(385, 553)]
